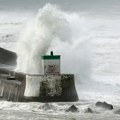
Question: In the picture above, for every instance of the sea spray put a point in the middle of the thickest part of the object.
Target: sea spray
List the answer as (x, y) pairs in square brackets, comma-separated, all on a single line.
[(61, 32), (49, 25)]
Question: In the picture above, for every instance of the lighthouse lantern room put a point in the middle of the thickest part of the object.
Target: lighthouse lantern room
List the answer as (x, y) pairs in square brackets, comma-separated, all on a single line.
[(51, 64)]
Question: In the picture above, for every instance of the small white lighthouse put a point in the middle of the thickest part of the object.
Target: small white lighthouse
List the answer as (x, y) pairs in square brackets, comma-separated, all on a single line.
[(51, 64), (52, 86)]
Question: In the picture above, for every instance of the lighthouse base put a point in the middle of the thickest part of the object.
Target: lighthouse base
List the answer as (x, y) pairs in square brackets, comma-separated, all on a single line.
[(37, 88), (52, 88)]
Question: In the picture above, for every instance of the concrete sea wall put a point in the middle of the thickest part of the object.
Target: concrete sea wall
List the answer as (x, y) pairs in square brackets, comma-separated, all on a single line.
[(42, 88), (12, 85), (7, 57), (51, 88)]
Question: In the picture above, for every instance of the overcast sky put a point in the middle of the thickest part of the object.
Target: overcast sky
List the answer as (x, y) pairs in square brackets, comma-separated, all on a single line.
[(106, 8), (99, 5)]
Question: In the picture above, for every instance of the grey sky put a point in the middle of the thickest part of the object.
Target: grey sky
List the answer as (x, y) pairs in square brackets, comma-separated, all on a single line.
[(68, 4), (104, 7)]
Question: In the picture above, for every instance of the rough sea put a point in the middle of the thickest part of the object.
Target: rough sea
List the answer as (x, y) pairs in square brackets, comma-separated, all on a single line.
[(90, 50)]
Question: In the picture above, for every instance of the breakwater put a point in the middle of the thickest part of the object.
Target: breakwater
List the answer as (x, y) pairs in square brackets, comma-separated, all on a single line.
[(41, 88)]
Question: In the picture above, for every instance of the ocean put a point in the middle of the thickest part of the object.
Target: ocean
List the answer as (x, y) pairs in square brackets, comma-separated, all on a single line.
[(85, 33)]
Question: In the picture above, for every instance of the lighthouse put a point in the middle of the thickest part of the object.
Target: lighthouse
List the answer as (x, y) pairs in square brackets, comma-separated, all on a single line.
[(51, 86), (51, 64)]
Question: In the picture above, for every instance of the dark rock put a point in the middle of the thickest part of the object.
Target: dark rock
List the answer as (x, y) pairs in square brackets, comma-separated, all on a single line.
[(104, 105), (47, 106), (117, 112), (72, 108), (89, 110)]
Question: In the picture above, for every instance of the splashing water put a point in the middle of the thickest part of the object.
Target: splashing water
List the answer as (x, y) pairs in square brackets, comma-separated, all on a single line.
[(56, 30)]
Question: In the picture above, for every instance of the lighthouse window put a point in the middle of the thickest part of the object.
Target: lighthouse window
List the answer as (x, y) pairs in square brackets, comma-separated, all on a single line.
[(51, 69)]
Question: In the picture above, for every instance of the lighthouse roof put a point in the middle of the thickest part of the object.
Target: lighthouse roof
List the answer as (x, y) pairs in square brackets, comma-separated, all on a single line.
[(51, 56)]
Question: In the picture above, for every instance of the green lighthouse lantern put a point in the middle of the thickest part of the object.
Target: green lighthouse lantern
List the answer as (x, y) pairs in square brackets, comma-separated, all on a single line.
[(51, 64)]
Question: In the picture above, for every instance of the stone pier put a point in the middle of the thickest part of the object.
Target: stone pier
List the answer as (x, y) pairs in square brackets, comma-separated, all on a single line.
[(41, 88)]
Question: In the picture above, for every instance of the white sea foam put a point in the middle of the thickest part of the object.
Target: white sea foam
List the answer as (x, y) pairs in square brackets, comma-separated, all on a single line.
[(55, 30), (50, 24)]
